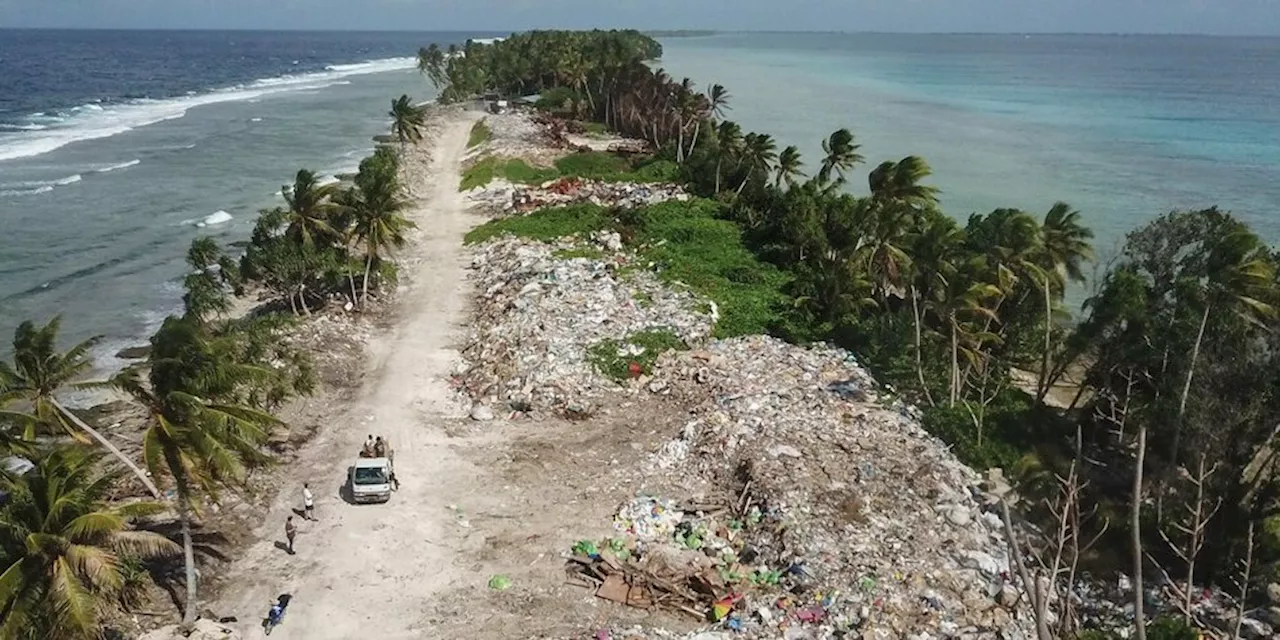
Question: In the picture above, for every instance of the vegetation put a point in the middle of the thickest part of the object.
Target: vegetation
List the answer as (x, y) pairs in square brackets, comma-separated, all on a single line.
[(480, 134), (634, 355), (62, 547), (1177, 340), (592, 165)]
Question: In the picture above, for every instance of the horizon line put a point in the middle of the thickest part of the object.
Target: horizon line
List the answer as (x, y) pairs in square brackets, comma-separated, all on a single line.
[(693, 32)]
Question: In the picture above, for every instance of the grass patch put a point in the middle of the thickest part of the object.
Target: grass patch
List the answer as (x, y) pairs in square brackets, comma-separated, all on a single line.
[(643, 299), (513, 169), (614, 358), (707, 254), (546, 224), (480, 134), (595, 129), (590, 253), (593, 165), (688, 244)]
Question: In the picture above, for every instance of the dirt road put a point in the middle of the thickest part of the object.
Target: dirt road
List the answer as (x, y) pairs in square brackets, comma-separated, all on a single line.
[(370, 570)]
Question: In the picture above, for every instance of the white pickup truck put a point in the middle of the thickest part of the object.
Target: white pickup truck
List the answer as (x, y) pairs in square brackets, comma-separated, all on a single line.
[(371, 480)]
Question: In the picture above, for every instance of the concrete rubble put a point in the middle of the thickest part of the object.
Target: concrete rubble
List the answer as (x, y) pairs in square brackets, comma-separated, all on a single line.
[(501, 197), (539, 313), (859, 521)]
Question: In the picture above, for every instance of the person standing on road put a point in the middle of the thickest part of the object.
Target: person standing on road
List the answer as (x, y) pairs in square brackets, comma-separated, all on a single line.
[(308, 503), (290, 530)]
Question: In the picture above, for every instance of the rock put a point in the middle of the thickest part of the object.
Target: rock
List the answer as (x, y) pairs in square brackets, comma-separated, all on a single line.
[(980, 561), (1270, 615), (784, 450), (958, 516), (134, 353), (1252, 629), (1273, 593), (481, 412), (203, 629)]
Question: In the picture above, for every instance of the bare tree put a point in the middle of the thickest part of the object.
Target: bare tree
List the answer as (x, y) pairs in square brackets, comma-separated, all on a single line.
[(1199, 514), (1115, 409), (1244, 583)]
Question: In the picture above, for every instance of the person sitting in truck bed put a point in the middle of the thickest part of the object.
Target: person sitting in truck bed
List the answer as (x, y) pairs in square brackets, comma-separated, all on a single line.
[(368, 450)]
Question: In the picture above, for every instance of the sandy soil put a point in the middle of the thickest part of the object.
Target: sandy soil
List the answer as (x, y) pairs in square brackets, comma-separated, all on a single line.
[(366, 570)]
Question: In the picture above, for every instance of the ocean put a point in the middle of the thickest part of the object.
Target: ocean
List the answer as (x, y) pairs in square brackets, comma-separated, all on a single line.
[(1124, 128), (118, 148)]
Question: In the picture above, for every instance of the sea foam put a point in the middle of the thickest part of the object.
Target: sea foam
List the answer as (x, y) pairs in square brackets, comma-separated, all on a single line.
[(92, 121), (122, 165), (215, 218)]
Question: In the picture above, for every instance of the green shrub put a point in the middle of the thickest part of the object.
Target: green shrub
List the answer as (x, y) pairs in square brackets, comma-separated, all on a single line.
[(512, 169), (692, 246), (594, 165), (480, 134), (546, 224), (595, 129), (612, 358), (555, 99)]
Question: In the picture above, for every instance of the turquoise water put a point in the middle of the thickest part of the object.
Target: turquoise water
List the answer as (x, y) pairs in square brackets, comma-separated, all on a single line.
[(1122, 127)]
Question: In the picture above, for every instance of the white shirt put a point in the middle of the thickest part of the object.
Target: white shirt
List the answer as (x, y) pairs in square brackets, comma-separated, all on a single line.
[(306, 497)]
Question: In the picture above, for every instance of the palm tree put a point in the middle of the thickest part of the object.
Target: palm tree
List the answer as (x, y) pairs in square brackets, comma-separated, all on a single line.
[(718, 100), (431, 62), (311, 212), (936, 251), (1239, 278), (62, 546), (377, 206), (38, 373), (1065, 247), (729, 141), (214, 274), (202, 443), (789, 164), (407, 121), (758, 154), (841, 154), (899, 182)]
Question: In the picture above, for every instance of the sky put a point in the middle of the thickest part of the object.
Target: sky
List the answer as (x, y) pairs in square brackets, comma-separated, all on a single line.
[(1226, 17)]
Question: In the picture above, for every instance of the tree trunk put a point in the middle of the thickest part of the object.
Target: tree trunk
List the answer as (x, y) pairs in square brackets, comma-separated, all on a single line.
[(1186, 389), (915, 313), (697, 129), (137, 471), (368, 265), (955, 363), (680, 142), (1042, 389), (302, 300), (719, 159), (1135, 523), (189, 559), (351, 279), (744, 183)]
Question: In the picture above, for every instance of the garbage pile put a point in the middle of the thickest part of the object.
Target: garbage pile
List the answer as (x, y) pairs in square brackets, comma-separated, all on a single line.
[(838, 516), (519, 134), (541, 310), (609, 194)]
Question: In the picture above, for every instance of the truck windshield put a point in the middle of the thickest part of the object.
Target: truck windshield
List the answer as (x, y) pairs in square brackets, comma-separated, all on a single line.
[(371, 476)]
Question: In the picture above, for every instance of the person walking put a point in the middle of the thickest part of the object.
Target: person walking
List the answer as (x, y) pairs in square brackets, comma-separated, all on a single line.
[(308, 503), (290, 530)]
